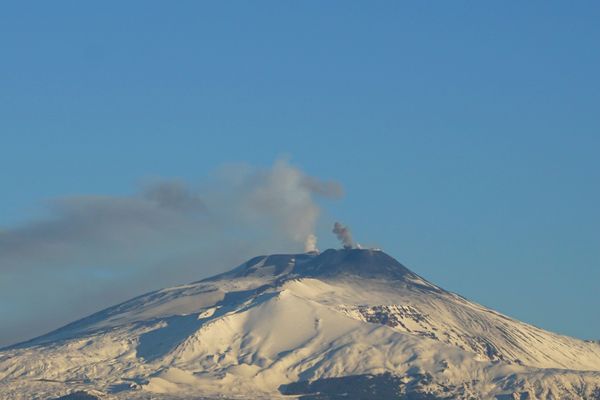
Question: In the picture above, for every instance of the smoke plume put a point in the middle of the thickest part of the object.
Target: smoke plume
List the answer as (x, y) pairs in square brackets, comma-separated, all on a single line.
[(344, 235), (311, 243), (94, 250)]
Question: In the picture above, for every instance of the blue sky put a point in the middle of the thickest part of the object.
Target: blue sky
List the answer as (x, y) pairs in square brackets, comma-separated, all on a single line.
[(465, 134)]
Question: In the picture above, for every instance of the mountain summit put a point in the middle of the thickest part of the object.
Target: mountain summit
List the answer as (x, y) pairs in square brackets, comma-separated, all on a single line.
[(346, 323), (332, 263)]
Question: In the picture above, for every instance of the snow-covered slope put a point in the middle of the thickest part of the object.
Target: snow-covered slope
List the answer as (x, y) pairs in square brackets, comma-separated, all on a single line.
[(342, 322)]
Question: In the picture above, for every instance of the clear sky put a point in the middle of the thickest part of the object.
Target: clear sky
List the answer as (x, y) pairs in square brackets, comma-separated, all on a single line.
[(466, 135)]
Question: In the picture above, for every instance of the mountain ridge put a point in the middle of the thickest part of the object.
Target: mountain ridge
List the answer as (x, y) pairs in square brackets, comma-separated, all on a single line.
[(283, 319)]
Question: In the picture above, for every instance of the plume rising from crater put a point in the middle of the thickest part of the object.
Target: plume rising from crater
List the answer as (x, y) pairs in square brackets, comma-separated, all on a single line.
[(344, 235)]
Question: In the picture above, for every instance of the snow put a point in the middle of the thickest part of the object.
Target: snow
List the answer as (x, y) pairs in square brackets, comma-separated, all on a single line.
[(281, 319)]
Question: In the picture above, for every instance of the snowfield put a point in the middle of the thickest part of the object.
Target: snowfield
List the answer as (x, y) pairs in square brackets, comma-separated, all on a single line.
[(349, 323)]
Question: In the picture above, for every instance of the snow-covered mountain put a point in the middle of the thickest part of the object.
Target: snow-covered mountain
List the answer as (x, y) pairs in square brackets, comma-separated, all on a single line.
[(348, 323)]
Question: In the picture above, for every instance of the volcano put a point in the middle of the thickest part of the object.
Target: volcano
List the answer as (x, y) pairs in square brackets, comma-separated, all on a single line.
[(342, 324)]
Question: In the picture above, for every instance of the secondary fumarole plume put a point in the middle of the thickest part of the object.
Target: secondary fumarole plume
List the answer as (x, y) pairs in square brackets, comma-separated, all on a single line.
[(310, 244)]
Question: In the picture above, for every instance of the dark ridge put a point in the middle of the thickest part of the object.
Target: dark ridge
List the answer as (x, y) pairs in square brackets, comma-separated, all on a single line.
[(81, 395), (277, 264), (332, 263), (366, 263), (360, 387), (237, 271)]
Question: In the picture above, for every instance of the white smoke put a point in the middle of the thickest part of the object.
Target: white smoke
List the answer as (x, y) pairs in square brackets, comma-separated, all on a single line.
[(310, 244), (287, 196), (282, 199)]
